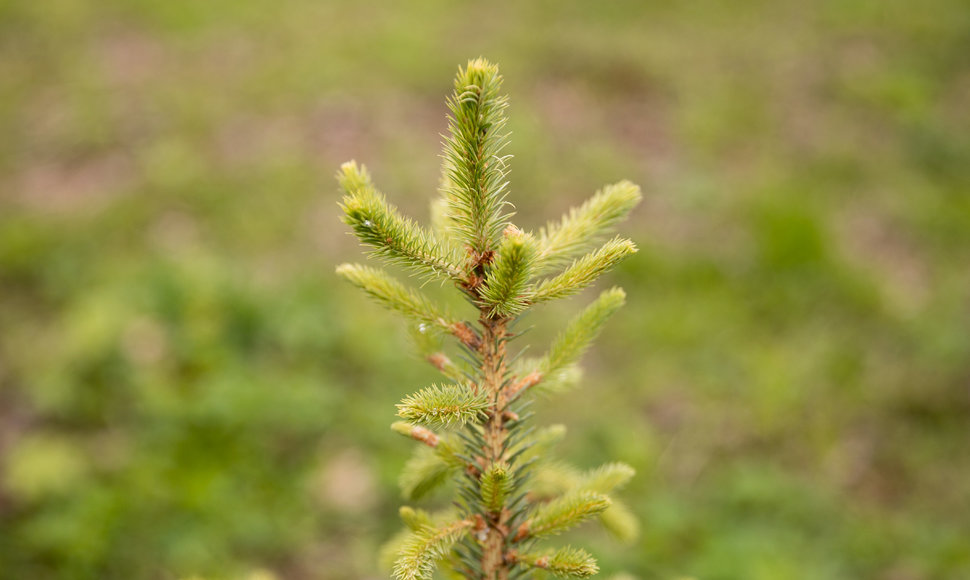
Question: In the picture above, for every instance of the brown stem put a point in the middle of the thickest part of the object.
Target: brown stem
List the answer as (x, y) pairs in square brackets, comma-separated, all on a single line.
[(530, 380), (465, 334), (440, 361), (424, 435), (492, 350)]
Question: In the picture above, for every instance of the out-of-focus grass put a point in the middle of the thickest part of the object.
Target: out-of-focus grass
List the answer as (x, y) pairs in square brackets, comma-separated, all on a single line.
[(185, 388)]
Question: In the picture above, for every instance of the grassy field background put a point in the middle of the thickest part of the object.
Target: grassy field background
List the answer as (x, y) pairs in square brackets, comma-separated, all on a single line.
[(187, 389)]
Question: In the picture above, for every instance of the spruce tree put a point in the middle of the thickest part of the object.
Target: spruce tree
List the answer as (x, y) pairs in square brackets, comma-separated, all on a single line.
[(474, 428)]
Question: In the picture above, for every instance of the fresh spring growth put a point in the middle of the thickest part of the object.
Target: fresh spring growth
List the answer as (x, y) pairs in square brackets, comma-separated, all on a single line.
[(473, 430)]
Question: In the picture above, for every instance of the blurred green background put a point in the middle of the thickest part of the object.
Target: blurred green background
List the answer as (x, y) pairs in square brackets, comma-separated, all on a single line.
[(186, 388)]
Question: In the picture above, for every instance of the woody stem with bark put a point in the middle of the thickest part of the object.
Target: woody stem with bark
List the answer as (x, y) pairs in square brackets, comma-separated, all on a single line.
[(492, 351)]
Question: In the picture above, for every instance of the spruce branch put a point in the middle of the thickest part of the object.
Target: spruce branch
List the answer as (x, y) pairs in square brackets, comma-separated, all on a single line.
[(563, 563), (430, 467), (414, 519), (389, 551), (424, 472), (558, 369), (443, 406), (393, 237), (422, 550), (530, 376), (505, 290), (475, 181), (620, 522), (581, 331), (416, 432), (563, 513), (586, 224), (553, 478), (606, 478), (584, 271), (394, 295)]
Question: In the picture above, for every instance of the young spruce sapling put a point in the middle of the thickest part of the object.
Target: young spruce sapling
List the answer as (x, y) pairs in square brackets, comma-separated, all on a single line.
[(474, 429)]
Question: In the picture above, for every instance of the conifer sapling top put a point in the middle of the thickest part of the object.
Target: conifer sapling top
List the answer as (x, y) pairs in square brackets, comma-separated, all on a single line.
[(473, 429)]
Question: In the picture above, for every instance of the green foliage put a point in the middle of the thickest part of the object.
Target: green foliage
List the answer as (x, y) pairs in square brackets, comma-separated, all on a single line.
[(475, 170), (424, 472), (606, 478), (395, 295), (552, 478), (423, 548), (620, 522), (414, 519), (564, 513), (429, 468), (180, 368), (505, 291), (563, 563), (542, 441), (380, 226), (443, 406), (586, 224), (164, 428), (583, 271), (580, 332), (495, 458), (496, 484)]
